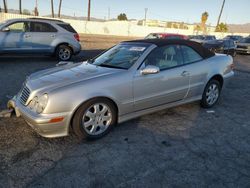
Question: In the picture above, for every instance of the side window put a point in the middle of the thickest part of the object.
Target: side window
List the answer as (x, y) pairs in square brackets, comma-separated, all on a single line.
[(19, 27), (165, 57), (190, 55), (42, 27)]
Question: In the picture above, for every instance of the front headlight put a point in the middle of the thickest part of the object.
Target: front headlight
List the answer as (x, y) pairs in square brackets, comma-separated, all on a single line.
[(39, 104)]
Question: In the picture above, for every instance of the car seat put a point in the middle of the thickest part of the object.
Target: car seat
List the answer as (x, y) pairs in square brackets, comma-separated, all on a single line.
[(169, 58)]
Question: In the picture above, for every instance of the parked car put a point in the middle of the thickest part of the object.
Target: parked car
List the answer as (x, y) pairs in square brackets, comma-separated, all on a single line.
[(166, 36), (39, 36), (243, 46), (235, 38), (225, 46), (131, 79), (202, 38)]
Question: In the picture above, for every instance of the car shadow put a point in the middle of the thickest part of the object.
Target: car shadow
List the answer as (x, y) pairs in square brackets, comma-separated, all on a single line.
[(36, 58)]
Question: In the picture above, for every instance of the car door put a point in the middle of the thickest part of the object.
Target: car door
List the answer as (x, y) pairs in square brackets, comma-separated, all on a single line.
[(197, 67), (170, 84), (43, 34), (16, 38)]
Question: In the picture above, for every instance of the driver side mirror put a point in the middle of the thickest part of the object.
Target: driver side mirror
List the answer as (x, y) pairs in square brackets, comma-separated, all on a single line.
[(150, 69), (6, 29)]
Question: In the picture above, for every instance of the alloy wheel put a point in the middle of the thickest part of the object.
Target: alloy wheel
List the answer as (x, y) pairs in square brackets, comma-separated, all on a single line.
[(97, 119)]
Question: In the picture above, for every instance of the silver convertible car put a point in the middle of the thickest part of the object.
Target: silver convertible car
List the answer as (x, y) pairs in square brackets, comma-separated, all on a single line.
[(130, 79)]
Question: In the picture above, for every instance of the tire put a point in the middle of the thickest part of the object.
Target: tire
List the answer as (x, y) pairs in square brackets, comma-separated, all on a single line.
[(212, 89), (91, 123), (63, 53)]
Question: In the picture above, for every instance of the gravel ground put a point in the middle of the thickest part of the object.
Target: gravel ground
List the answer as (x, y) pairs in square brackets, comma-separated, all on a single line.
[(185, 146)]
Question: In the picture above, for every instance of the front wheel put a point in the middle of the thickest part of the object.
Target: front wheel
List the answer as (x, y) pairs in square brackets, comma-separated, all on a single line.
[(63, 53), (94, 119), (211, 94)]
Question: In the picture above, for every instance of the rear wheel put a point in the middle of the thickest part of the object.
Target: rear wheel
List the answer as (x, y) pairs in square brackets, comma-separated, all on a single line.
[(211, 94), (94, 119), (63, 53)]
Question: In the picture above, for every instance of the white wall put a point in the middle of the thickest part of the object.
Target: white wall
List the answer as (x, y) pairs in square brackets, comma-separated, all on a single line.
[(119, 28)]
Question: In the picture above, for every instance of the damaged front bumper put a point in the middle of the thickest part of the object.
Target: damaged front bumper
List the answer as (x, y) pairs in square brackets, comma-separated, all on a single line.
[(46, 125)]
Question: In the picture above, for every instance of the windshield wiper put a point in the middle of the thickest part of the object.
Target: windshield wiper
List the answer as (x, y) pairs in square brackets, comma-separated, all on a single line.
[(111, 66)]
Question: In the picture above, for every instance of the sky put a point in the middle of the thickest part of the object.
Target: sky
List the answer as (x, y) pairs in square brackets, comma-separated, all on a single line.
[(235, 11)]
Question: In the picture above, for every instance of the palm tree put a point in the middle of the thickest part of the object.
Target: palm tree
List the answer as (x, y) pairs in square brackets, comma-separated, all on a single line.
[(20, 6), (222, 7), (89, 5), (5, 6), (59, 10), (204, 18), (52, 8)]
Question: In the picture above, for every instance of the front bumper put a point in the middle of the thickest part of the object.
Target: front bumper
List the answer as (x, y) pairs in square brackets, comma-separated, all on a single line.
[(42, 123)]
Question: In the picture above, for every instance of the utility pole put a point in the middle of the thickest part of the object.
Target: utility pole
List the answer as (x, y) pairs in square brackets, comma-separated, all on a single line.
[(221, 10), (52, 8), (20, 6), (89, 6), (5, 6), (59, 10), (145, 18)]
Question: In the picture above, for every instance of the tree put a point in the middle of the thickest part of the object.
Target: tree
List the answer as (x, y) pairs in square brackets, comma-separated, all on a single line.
[(52, 8), (204, 18), (36, 13), (26, 12), (221, 10), (222, 27), (5, 6), (122, 17), (89, 5), (20, 6), (59, 9)]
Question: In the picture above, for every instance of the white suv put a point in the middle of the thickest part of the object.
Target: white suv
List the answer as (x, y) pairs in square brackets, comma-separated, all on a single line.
[(39, 36)]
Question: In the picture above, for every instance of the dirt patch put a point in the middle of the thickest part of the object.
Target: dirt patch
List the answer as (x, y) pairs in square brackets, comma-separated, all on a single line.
[(89, 41)]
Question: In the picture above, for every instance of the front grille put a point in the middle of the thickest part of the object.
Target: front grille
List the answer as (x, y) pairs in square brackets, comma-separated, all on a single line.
[(24, 95)]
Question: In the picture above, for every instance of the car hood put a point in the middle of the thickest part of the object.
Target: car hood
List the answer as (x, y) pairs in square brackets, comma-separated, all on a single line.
[(67, 74)]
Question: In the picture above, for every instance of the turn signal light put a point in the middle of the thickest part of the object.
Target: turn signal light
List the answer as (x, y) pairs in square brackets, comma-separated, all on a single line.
[(56, 120)]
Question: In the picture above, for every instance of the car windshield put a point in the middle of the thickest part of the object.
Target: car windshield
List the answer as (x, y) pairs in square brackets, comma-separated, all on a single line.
[(245, 40), (122, 56)]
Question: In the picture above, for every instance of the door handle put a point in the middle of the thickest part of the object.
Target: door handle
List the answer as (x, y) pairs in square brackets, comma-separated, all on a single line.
[(185, 73), (52, 36)]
